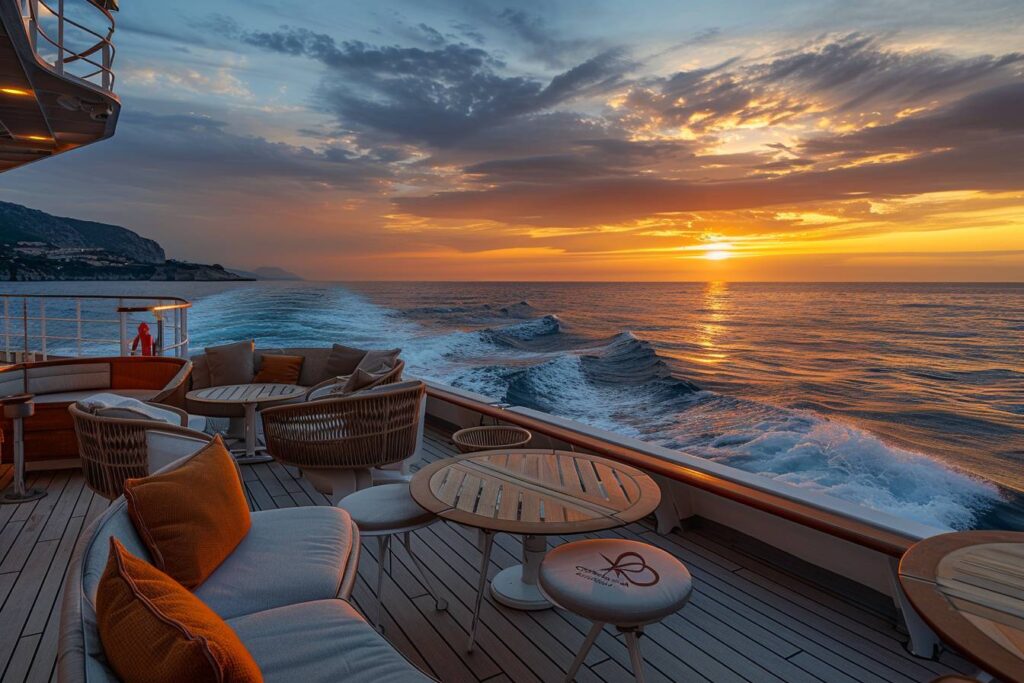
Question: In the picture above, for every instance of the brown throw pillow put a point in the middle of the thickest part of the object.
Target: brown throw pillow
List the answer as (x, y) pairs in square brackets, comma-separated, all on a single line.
[(231, 363), (192, 517), (153, 629), (275, 369), (342, 361)]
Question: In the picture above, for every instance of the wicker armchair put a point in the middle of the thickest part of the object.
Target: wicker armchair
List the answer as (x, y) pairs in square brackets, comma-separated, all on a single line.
[(392, 376), (337, 442), (114, 449)]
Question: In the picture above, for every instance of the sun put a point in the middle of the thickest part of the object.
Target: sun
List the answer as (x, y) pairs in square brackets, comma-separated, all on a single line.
[(717, 251)]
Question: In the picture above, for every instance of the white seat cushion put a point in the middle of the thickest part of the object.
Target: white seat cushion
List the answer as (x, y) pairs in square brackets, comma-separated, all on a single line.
[(126, 408), (323, 641), (615, 581), (72, 396), (388, 507), (289, 555)]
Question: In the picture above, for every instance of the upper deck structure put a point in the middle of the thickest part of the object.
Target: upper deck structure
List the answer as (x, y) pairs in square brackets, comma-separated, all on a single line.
[(56, 77)]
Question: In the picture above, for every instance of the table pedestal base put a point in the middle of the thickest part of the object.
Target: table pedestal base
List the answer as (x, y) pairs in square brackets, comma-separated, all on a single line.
[(250, 455), (516, 587)]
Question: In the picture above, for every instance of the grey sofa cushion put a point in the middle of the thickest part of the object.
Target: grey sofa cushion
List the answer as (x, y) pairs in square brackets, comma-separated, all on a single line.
[(321, 641), (231, 363), (289, 555)]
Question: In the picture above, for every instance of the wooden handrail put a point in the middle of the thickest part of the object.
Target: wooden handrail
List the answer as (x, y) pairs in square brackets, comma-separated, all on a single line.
[(852, 530)]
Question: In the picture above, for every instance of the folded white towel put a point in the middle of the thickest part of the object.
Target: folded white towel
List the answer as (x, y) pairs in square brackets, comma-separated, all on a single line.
[(112, 405)]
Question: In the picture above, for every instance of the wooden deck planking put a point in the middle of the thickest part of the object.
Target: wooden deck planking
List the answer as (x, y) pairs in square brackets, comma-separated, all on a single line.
[(748, 620)]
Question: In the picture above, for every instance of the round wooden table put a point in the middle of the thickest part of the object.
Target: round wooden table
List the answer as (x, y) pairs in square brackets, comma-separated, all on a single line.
[(969, 588), (249, 396), (533, 493)]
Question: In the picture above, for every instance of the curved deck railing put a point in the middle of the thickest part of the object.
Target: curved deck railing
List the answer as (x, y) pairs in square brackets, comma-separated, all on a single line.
[(45, 326), (62, 36)]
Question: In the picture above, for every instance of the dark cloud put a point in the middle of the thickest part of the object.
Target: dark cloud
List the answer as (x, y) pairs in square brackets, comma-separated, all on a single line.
[(438, 96), (545, 44), (831, 76), (995, 113)]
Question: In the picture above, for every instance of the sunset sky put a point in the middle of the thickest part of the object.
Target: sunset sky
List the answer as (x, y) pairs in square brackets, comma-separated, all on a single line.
[(591, 140)]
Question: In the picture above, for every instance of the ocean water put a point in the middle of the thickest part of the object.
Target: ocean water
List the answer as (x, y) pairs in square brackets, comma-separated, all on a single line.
[(907, 398)]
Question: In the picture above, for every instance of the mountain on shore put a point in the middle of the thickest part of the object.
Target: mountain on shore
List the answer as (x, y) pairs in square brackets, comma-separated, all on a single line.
[(22, 224), (37, 246)]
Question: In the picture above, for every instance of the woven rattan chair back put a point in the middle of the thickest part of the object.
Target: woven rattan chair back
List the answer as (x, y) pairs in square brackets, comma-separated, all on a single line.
[(489, 437), (366, 429), (113, 449)]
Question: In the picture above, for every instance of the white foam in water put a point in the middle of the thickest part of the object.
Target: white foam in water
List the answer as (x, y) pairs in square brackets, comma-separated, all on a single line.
[(796, 447)]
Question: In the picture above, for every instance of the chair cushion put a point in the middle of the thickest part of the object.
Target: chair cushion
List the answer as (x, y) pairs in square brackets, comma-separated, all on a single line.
[(343, 360), (231, 363), (385, 507), (615, 581), (125, 407), (153, 629), (192, 517), (358, 380), (325, 641), (289, 555), (279, 369)]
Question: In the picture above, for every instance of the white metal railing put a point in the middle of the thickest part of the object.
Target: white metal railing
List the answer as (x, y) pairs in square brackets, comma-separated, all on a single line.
[(68, 42), (43, 326)]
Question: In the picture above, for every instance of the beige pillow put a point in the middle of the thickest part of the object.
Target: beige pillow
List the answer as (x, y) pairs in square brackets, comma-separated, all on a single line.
[(379, 361), (358, 380), (231, 363), (342, 361)]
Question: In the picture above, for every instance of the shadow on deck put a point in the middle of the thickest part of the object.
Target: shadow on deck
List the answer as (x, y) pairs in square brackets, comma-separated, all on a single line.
[(748, 620)]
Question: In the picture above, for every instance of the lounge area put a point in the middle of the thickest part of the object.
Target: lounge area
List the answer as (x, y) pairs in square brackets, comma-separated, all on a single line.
[(749, 618)]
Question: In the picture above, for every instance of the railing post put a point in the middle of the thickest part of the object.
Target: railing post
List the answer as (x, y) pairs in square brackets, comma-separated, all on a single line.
[(42, 327), (33, 24), (7, 330), (60, 37), (123, 316), (183, 349), (78, 327), (24, 327)]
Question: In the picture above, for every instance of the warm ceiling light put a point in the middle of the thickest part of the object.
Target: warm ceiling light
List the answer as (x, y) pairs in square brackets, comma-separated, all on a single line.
[(40, 138), (16, 91)]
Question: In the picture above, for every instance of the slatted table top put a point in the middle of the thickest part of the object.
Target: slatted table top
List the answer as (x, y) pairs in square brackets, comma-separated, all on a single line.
[(535, 492), (969, 587), (247, 393)]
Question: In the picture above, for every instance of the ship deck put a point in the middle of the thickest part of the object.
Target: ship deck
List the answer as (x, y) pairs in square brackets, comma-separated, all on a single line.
[(750, 619)]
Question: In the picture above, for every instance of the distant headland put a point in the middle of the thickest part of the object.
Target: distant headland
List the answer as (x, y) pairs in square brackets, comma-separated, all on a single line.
[(36, 246)]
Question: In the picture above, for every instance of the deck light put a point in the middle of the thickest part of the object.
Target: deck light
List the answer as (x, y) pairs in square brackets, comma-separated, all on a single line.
[(16, 91)]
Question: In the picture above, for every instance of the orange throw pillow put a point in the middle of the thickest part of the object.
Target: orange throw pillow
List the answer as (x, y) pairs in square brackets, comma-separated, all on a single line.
[(276, 369), (192, 517), (153, 629)]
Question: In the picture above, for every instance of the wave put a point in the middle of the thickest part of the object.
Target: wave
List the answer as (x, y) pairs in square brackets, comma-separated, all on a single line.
[(620, 383)]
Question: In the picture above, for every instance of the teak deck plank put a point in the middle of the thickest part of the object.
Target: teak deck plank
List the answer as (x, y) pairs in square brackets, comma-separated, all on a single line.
[(748, 620)]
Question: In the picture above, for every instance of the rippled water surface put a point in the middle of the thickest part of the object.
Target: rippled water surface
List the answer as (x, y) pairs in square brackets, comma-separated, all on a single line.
[(905, 398)]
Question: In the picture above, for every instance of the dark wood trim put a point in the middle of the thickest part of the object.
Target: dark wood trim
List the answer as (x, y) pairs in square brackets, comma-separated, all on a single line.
[(855, 531)]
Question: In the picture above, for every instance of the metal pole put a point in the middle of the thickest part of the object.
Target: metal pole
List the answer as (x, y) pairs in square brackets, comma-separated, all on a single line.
[(7, 330), (42, 326), (24, 327), (124, 327), (60, 37), (78, 324), (183, 349)]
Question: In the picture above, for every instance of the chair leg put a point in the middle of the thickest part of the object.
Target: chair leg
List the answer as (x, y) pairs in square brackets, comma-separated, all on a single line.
[(595, 630), (439, 603), (637, 659), (485, 562), (383, 548)]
